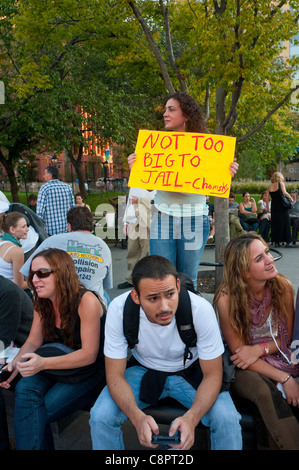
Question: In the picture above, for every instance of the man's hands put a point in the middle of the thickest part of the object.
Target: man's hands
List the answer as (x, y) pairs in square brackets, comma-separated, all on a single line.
[(147, 426)]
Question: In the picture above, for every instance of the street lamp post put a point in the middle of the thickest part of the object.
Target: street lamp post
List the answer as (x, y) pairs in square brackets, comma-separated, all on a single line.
[(54, 160)]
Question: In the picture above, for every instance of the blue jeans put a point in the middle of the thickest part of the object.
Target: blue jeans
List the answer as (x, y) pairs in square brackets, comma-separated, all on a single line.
[(106, 418), (181, 240), (249, 228), (40, 401)]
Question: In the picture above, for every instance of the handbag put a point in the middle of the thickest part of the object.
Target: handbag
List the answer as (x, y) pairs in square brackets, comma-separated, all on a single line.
[(286, 203), (252, 220), (68, 376), (249, 218)]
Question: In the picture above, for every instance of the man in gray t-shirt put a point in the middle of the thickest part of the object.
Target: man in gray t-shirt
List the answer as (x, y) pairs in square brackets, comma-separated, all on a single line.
[(91, 255)]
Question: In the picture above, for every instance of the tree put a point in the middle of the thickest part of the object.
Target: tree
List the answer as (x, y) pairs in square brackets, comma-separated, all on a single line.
[(69, 53), (227, 54)]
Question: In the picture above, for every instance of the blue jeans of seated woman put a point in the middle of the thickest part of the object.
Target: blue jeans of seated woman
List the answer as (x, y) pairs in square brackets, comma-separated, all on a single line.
[(249, 228), (106, 418), (40, 401), (181, 240)]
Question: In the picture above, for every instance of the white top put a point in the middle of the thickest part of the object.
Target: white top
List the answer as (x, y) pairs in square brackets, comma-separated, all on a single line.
[(181, 204), (160, 347), (6, 268), (141, 192), (262, 205)]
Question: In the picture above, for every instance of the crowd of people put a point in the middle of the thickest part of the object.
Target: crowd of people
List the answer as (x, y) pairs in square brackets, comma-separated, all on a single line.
[(72, 343), (268, 217)]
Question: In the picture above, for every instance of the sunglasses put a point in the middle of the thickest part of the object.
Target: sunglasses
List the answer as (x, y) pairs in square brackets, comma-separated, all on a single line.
[(40, 273)]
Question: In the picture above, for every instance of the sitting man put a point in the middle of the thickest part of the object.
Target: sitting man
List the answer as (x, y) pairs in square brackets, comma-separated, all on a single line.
[(16, 315), (158, 369), (234, 219), (91, 255)]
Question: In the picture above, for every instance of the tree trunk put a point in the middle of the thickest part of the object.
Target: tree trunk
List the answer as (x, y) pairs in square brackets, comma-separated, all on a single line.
[(8, 165), (221, 234), (77, 163), (221, 204)]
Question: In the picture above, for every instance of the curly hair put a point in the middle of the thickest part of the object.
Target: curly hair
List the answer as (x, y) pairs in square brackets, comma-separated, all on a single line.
[(191, 109), (277, 177), (235, 285), (68, 289)]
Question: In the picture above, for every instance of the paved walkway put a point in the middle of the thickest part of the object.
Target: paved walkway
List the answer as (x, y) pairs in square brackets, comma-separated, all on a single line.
[(288, 265), (76, 436)]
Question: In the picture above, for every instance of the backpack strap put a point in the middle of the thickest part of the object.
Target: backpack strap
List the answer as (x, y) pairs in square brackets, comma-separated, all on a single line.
[(131, 321), (183, 317), (184, 321)]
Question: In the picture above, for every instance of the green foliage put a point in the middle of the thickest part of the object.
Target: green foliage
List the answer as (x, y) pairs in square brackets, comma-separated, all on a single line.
[(257, 187), (63, 57), (93, 199)]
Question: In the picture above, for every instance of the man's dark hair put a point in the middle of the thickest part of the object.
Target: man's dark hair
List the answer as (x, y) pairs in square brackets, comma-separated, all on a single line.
[(53, 171), (153, 267), (32, 197), (80, 218)]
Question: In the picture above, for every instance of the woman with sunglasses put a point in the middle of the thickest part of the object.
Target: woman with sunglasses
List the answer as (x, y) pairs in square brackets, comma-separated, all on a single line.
[(14, 228), (52, 386)]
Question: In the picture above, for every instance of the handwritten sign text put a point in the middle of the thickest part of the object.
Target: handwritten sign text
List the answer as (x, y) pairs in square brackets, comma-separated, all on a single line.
[(183, 162)]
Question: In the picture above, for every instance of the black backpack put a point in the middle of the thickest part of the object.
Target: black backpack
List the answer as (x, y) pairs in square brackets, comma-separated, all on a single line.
[(183, 317)]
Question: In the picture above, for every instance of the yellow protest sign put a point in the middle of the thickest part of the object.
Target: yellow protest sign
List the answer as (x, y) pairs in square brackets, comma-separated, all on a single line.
[(183, 162)]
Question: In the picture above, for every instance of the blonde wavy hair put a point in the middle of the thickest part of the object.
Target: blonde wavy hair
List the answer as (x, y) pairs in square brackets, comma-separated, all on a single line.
[(277, 177), (235, 285)]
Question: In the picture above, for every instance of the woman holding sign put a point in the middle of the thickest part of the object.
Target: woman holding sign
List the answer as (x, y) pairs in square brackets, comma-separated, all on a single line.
[(180, 224)]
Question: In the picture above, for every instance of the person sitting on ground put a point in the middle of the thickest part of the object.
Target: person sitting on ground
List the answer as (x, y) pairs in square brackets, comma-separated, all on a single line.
[(32, 202), (248, 213), (14, 228), (16, 314), (234, 219), (62, 382), (158, 367), (256, 310), (91, 255), (79, 201), (294, 216), (264, 215)]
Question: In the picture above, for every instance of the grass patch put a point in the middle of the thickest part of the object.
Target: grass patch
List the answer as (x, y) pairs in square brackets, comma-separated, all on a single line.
[(93, 199)]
